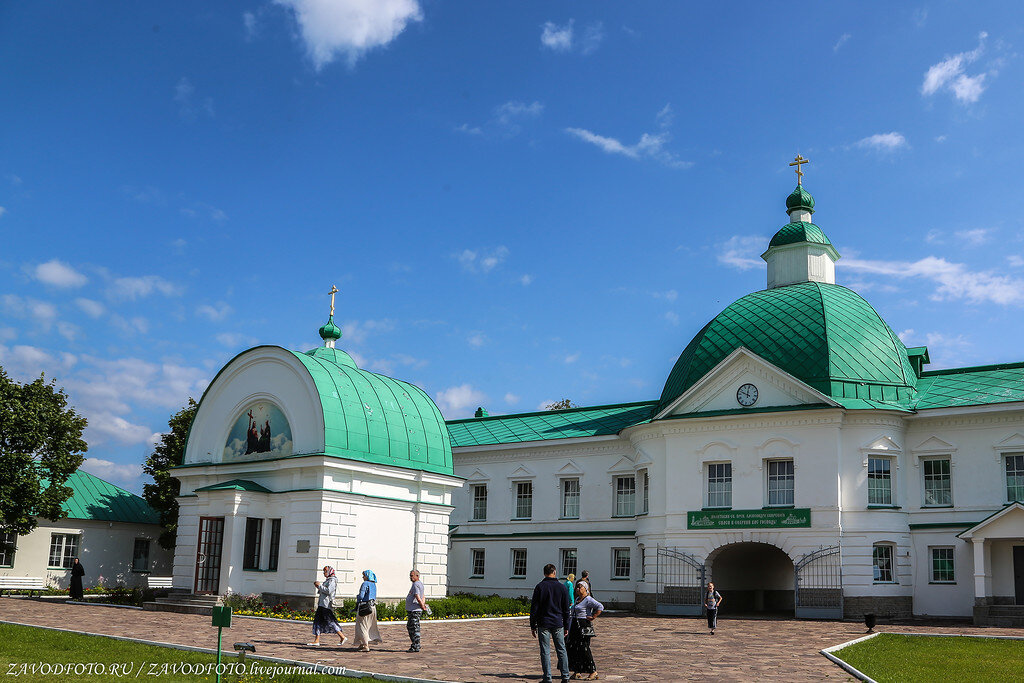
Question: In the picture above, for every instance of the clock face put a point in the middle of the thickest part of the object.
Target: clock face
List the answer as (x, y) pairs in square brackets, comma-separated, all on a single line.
[(746, 395)]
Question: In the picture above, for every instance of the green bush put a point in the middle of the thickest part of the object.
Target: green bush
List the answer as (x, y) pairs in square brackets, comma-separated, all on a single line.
[(458, 606)]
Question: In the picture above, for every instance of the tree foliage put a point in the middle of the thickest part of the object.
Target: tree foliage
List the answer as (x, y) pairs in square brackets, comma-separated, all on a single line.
[(40, 447), (561, 405), (170, 452)]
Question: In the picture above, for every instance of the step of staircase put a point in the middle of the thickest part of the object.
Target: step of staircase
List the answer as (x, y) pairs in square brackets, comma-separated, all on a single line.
[(185, 603)]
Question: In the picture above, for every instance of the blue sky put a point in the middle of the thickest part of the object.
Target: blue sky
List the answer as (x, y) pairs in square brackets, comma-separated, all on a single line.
[(519, 201)]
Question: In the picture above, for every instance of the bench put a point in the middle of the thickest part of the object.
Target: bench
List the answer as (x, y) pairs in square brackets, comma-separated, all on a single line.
[(22, 583), (160, 581)]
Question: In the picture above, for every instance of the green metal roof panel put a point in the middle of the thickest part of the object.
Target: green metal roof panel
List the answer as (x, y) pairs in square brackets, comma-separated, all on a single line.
[(549, 424), (374, 418), (970, 386), (100, 500), (820, 333), (795, 233), (237, 485)]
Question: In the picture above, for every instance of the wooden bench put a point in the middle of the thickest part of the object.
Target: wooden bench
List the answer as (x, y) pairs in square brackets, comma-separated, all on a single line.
[(31, 584), (160, 581)]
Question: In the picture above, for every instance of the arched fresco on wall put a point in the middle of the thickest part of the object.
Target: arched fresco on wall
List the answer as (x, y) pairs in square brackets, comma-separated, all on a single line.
[(260, 431)]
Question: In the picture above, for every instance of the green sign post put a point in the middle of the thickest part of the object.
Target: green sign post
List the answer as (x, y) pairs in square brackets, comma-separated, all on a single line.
[(222, 620), (770, 518)]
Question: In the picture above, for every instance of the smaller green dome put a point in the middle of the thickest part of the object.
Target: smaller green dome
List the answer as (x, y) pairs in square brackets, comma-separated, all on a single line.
[(800, 199), (330, 330), (794, 233)]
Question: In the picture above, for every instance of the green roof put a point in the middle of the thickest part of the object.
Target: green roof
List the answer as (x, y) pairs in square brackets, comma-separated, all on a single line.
[(970, 386), (549, 424), (796, 233), (826, 335), (374, 418), (102, 501), (237, 485)]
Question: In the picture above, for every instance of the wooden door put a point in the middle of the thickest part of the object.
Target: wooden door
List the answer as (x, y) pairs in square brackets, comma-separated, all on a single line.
[(208, 554)]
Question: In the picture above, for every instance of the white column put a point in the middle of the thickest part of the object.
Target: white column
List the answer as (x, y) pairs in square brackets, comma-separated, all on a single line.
[(982, 569), (234, 546)]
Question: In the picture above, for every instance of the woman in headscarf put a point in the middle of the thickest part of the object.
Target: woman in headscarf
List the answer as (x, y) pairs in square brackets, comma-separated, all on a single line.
[(77, 572), (581, 630), (325, 621), (366, 613)]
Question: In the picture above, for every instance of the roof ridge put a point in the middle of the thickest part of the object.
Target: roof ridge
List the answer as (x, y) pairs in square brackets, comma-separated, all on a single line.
[(973, 368), (562, 411)]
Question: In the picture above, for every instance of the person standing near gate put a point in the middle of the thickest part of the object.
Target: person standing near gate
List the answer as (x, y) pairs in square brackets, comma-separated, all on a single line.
[(549, 621), (712, 599)]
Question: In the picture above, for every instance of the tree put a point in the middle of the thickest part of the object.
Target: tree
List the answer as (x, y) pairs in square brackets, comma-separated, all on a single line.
[(40, 447), (561, 405), (170, 452)]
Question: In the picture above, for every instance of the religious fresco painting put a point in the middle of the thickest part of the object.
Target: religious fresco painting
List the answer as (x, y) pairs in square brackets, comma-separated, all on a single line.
[(260, 431)]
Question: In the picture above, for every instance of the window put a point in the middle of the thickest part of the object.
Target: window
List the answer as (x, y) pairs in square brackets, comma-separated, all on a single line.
[(625, 496), (478, 562), (720, 485), (1015, 478), (780, 482), (8, 544), (524, 500), (937, 489), (568, 556), (879, 481), (881, 555), (643, 563), (253, 536), (275, 544), (63, 549), (479, 503), (645, 480), (942, 565), (570, 499), (518, 563), (140, 555), (620, 563)]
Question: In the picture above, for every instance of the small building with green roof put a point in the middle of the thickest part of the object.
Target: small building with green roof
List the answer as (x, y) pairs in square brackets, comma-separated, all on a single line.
[(111, 531), (298, 460), (799, 455)]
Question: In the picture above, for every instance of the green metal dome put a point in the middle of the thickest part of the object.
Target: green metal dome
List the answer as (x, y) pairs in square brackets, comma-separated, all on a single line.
[(794, 233), (800, 199), (824, 334), (330, 330), (377, 419)]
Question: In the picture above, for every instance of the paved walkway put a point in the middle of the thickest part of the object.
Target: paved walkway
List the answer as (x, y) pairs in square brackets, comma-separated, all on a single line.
[(627, 648)]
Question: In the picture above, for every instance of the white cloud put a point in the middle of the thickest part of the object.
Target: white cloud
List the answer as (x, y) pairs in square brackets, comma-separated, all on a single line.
[(113, 472), (883, 142), (58, 274), (513, 111), (130, 327), (350, 27), (132, 288), (557, 38), (235, 340), (669, 295), (940, 138), (512, 399), (189, 106), (252, 29), (949, 75), (477, 339), (672, 317), (974, 237), (742, 251), (43, 313), (356, 332), (649, 146), (842, 41), (665, 116), (459, 401), (593, 35), (483, 260), (27, 362), (2, 211), (93, 309), (1015, 260), (572, 358), (526, 280), (214, 313), (469, 130), (954, 280)]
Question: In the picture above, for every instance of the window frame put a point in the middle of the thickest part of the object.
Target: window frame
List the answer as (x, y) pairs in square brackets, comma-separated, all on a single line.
[(563, 497), (615, 575), (890, 461), (876, 572), (516, 497), (645, 498), (135, 548), (475, 500), (925, 463), (68, 548), (623, 501), (721, 478), (274, 546), (8, 549), (473, 574), (512, 556), (563, 555), (1019, 472), (931, 564), (253, 544), (780, 478)]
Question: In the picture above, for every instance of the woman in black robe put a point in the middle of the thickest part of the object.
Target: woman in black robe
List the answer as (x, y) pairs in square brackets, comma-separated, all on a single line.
[(77, 572)]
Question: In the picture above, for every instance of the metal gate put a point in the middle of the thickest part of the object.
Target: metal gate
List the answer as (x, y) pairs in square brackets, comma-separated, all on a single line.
[(818, 593), (680, 583)]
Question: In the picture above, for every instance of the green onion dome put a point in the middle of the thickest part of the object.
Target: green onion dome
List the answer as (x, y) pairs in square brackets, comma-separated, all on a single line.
[(800, 199), (330, 330), (795, 233)]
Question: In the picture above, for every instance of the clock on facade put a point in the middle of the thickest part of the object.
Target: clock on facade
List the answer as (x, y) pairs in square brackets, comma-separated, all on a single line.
[(746, 395)]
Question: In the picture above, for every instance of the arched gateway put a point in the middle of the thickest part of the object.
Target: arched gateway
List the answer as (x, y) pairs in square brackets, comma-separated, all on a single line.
[(757, 577)]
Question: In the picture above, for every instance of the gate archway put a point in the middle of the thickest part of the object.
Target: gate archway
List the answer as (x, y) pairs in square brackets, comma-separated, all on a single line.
[(753, 577)]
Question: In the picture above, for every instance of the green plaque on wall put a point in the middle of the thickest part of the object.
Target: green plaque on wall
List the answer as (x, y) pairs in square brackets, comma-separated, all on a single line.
[(789, 518)]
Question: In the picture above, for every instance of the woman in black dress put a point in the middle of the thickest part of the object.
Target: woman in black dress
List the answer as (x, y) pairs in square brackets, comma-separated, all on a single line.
[(77, 572)]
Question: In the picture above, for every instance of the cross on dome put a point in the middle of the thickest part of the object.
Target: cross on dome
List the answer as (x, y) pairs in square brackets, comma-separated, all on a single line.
[(797, 162), (334, 290)]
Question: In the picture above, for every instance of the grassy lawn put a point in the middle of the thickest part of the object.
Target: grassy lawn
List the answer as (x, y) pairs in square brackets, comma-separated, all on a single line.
[(24, 646), (891, 657)]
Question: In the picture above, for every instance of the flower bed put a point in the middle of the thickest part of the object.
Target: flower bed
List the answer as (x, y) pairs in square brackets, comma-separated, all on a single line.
[(459, 606)]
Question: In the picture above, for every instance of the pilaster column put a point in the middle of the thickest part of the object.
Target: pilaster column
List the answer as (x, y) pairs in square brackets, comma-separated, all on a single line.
[(982, 570)]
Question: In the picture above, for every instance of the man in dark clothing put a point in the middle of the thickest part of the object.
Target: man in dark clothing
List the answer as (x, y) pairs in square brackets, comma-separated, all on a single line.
[(549, 620)]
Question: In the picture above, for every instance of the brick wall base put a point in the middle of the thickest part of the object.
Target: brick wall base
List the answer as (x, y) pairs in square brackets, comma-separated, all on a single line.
[(645, 603), (887, 607)]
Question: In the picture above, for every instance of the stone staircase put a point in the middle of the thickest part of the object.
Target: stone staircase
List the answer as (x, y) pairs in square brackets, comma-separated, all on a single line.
[(1004, 615), (185, 603)]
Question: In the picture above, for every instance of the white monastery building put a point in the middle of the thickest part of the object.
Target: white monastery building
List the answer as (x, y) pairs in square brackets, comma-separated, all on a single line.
[(799, 455)]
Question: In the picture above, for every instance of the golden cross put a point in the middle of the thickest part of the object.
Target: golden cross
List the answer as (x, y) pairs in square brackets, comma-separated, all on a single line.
[(334, 290), (799, 174)]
